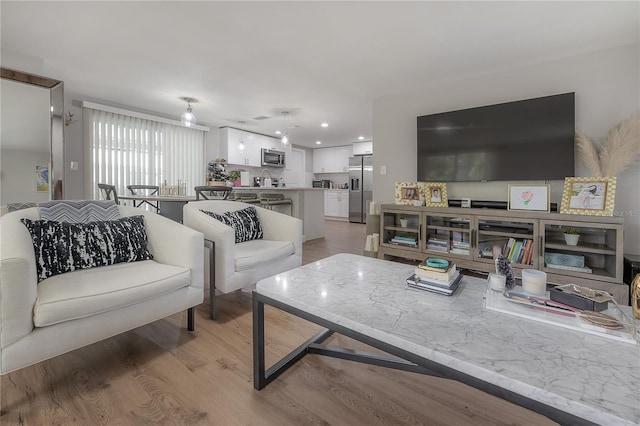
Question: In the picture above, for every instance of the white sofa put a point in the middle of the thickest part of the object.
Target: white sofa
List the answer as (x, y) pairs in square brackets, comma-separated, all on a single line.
[(243, 264), (64, 312)]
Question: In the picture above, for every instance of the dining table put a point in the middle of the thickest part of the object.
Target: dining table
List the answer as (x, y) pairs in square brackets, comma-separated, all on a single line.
[(168, 205)]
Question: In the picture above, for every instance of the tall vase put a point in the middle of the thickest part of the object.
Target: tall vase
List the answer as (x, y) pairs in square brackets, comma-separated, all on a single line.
[(635, 296)]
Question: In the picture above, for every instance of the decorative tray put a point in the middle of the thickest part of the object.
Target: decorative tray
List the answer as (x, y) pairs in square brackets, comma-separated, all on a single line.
[(614, 323)]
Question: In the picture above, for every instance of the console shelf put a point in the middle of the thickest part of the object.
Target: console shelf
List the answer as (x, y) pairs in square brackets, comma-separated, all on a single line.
[(468, 236)]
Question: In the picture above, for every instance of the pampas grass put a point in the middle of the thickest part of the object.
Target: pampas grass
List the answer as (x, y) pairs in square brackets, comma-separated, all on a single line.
[(588, 152), (622, 147), (618, 151)]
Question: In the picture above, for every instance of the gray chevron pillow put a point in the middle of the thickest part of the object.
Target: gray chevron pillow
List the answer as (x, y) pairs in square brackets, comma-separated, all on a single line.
[(83, 211), (245, 223), (64, 247)]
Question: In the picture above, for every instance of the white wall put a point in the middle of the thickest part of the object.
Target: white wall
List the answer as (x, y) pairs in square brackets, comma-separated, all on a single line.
[(607, 91), (18, 176)]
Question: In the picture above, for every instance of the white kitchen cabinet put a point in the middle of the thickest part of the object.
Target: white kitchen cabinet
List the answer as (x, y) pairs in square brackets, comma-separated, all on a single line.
[(336, 204), (230, 150), (332, 160), (363, 148), (251, 155)]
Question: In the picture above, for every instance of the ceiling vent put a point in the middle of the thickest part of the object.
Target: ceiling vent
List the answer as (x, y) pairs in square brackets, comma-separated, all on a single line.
[(262, 117)]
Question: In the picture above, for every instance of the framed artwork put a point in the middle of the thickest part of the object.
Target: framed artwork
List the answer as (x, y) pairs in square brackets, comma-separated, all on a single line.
[(435, 194), (408, 194), (589, 195), (529, 197), (42, 178)]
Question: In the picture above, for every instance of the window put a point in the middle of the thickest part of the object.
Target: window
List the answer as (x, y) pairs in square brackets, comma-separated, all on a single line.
[(126, 150)]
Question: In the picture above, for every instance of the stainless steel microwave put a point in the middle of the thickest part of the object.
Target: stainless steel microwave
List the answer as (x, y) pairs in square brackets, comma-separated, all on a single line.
[(272, 158)]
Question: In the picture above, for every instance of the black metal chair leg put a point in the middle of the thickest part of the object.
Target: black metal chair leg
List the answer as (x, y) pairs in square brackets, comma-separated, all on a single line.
[(191, 319), (212, 279)]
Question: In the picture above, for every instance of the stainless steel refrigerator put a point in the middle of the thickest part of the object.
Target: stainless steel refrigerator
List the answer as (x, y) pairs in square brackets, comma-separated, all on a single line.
[(360, 187)]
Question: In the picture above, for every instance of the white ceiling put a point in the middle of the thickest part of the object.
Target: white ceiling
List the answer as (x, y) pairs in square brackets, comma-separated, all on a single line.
[(322, 61)]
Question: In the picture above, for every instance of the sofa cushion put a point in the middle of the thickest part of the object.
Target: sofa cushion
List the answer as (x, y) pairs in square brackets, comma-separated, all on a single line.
[(79, 211), (89, 292), (256, 253), (63, 247), (245, 223)]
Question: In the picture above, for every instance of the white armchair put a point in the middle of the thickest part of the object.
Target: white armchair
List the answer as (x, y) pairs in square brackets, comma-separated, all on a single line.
[(243, 264), (67, 311)]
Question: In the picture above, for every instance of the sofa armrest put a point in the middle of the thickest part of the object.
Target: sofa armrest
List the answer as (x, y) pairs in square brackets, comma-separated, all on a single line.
[(18, 292), (280, 227), (222, 235), (172, 243)]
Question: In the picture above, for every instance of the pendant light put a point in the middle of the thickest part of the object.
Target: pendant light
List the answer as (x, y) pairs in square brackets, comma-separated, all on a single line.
[(241, 140), (285, 138), (188, 119)]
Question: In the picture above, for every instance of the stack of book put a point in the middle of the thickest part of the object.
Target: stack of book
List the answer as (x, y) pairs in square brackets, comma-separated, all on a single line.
[(519, 251), (460, 247), (404, 241), (441, 281), (438, 244)]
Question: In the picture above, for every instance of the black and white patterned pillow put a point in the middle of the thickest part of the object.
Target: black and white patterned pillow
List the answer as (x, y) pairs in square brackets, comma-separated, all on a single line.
[(64, 247), (245, 223)]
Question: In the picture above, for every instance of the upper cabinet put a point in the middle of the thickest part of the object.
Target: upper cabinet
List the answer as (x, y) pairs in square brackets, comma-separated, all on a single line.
[(253, 143), (332, 160), (363, 148)]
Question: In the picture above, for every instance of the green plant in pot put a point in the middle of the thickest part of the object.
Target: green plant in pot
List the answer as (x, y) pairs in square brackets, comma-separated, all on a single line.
[(571, 236), (234, 176)]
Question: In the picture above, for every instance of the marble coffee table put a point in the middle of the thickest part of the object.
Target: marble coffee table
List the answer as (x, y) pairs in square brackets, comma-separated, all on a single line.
[(569, 376)]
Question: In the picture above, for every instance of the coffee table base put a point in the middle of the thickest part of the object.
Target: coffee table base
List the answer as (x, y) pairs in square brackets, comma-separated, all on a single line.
[(406, 361)]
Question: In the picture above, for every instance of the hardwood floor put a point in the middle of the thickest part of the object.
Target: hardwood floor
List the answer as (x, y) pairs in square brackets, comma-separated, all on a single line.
[(163, 374)]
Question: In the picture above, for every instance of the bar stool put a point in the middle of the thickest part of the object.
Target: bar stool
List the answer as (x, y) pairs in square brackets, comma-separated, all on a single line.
[(247, 197), (268, 200)]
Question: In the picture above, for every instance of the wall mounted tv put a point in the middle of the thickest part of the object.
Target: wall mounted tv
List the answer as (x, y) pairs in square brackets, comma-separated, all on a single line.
[(531, 139)]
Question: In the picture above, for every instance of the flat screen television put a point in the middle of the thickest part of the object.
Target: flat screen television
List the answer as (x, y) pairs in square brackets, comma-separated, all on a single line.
[(531, 139)]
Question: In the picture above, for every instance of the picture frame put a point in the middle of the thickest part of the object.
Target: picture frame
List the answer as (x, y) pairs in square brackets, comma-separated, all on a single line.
[(42, 178), (589, 196), (529, 197), (408, 194), (435, 194)]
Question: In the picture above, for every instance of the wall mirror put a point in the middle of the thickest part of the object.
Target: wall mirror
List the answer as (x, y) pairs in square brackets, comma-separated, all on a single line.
[(31, 138)]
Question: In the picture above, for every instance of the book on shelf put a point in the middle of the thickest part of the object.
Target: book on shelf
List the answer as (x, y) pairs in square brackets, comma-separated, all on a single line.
[(459, 251), (427, 272), (584, 269), (420, 284), (519, 250)]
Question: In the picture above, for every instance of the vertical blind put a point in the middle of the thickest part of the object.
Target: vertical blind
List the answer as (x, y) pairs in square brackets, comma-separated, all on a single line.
[(129, 150)]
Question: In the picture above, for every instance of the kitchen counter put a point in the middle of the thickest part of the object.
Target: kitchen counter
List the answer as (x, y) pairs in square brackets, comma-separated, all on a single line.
[(307, 204)]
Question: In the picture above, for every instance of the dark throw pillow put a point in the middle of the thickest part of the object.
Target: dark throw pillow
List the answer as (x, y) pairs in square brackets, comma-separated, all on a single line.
[(245, 223), (64, 247)]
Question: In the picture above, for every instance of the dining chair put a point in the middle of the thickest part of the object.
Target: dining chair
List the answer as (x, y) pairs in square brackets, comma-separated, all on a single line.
[(145, 190), (212, 192), (109, 192)]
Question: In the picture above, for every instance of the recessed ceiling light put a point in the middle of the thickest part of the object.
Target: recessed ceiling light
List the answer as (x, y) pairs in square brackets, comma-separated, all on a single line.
[(278, 132), (325, 125), (318, 142), (361, 138)]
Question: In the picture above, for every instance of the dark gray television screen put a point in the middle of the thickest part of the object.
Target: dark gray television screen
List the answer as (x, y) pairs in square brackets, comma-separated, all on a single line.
[(531, 139)]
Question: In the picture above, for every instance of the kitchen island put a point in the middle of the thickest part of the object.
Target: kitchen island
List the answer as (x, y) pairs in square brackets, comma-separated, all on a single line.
[(307, 205)]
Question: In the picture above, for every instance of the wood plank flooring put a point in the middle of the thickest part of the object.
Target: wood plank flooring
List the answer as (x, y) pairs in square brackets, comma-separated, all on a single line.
[(163, 374)]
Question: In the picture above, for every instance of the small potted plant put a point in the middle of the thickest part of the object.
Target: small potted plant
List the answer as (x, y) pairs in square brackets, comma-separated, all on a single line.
[(234, 176), (571, 236)]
